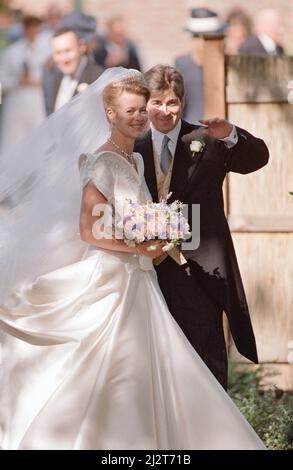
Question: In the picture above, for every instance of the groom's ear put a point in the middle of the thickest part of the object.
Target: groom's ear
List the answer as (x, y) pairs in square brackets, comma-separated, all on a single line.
[(183, 101)]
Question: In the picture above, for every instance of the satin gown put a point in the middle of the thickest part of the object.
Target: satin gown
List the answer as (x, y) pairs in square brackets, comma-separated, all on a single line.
[(101, 363)]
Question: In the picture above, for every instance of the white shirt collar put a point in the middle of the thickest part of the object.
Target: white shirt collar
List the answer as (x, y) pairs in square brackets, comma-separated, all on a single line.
[(158, 137), (268, 44)]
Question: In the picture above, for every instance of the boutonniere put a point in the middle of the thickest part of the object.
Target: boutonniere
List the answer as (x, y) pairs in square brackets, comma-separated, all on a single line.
[(81, 87), (197, 146)]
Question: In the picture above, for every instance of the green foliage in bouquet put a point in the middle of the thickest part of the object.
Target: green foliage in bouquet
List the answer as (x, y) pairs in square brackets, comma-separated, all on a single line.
[(270, 411)]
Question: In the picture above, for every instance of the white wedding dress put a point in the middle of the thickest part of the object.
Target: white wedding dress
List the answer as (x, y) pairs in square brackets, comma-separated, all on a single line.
[(103, 364)]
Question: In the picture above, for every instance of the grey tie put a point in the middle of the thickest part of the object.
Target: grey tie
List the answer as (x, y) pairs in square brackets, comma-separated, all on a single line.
[(166, 155)]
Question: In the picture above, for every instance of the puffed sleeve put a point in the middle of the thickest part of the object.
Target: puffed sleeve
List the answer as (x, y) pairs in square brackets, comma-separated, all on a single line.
[(96, 168)]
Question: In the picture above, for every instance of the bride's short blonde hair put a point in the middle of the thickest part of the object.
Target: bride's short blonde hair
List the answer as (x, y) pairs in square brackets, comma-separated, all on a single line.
[(131, 83)]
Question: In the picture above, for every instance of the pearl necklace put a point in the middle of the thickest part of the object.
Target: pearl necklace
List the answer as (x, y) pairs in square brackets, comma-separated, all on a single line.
[(129, 156)]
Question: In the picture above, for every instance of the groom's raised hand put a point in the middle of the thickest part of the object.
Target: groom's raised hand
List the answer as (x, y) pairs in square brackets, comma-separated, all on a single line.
[(217, 128)]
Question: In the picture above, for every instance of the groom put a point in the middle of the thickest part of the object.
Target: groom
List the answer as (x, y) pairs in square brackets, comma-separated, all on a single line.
[(198, 292)]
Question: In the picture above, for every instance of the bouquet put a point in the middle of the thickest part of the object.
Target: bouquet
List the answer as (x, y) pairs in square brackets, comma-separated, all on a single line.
[(154, 221)]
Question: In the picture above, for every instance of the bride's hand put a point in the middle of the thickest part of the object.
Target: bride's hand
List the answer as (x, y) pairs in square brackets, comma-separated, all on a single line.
[(154, 252)]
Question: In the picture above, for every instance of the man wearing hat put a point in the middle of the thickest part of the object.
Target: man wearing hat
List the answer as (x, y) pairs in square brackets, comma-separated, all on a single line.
[(115, 49), (202, 22), (268, 37), (72, 68), (84, 25)]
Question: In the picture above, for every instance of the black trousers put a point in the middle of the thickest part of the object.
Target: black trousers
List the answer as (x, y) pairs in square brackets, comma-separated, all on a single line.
[(200, 319)]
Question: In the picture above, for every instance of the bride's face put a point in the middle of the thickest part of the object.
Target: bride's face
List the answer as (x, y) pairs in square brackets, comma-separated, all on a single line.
[(129, 116)]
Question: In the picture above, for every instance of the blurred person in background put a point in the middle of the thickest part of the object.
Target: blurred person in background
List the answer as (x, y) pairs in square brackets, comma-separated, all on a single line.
[(21, 70), (268, 37), (239, 26), (49, 27), (202, 22), (84, 25), (77, 70), (16, 30), (6, 21), (81, 43), (115, 49), (51, 21)]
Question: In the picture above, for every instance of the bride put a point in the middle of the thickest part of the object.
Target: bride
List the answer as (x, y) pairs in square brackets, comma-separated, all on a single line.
[(91, 356)]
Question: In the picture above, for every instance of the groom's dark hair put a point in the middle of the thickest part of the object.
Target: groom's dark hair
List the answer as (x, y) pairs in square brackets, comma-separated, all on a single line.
[(164, 77)]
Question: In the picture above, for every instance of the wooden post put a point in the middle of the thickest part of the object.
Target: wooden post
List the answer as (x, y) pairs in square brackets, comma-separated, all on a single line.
[(215, 106), (214, 85), (214, 77), (78, 5)]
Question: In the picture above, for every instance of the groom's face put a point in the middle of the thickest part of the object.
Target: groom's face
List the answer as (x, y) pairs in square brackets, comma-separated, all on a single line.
[(165, 110)]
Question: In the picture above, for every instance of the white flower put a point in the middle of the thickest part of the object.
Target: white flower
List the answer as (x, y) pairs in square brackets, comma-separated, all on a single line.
[(196, 146), (81, 87)]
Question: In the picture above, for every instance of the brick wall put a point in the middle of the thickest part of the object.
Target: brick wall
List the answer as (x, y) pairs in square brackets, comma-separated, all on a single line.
[(157, 25)]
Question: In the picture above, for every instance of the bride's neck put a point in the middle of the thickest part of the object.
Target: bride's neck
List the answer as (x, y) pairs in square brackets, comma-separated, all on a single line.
[(126, 143)]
